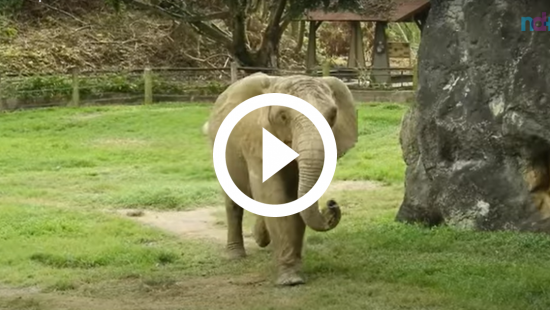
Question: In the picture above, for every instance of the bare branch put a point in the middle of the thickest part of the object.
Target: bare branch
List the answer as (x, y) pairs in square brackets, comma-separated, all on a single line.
[(197, 22), (66, 13), (212, 16)]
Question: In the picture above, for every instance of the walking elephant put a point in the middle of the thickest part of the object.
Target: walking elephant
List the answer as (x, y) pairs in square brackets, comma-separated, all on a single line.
[(244, 161)]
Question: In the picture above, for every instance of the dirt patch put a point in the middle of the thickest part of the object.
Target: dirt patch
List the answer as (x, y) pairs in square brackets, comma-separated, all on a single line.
[(200, 223), (6, 291)]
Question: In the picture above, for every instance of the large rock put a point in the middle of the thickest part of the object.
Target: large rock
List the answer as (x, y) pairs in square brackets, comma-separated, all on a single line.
[(477, 142)]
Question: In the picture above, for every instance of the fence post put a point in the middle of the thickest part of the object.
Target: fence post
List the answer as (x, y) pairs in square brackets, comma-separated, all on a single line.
[(326, 67), (234, 72), (76, 91), (2, 107), (148, 85)]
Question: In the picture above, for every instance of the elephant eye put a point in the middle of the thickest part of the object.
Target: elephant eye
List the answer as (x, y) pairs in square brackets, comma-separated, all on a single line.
[(284, 117), (331, 117)]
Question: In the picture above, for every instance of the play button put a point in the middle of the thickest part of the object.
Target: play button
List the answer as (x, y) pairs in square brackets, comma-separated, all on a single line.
[(276, 155)]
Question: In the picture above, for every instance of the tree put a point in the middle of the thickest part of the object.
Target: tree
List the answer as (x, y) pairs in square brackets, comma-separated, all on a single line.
[(277, 14), (477, 142)]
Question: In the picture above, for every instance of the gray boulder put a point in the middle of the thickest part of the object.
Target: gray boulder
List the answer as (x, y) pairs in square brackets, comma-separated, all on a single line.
[(477, 142)]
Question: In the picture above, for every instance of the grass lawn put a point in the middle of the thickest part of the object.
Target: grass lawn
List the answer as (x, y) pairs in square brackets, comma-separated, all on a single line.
[(63, 170)]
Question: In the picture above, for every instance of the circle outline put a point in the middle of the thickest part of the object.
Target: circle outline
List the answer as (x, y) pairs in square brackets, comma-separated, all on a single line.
[(220, 147)]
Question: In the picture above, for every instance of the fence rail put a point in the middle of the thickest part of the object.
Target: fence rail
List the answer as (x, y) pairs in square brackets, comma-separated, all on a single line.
[(148, 85)]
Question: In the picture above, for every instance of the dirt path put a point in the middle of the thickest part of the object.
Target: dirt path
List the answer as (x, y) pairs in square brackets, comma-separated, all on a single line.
[(200, 223)]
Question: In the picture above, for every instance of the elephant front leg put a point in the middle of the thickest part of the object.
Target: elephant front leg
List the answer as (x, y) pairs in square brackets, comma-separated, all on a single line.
[(234, 213), (235, 239), (287, 234)]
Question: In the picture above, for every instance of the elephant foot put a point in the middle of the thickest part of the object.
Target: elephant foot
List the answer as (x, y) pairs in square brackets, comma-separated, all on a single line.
[(236, 253), (290, 279)]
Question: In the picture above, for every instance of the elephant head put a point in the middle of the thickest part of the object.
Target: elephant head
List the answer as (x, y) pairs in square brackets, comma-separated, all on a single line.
[(334, 100)]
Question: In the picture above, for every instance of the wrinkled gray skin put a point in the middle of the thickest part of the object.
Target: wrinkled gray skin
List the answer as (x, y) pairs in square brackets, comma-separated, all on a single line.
[(244, 160)]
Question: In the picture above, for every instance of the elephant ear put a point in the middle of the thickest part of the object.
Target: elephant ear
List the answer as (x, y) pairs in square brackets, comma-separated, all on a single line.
[(239, 91), (345, 129), (244, 89)]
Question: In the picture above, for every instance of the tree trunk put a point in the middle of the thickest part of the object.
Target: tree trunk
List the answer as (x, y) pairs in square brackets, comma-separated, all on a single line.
[(477, 142), (267, 56), (264, 59)]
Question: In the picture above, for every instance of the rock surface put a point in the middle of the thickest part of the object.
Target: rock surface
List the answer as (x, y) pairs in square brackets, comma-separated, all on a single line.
[(477, 142)]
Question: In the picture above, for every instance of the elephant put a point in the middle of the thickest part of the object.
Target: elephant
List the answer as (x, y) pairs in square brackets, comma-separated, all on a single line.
[(244, 161)]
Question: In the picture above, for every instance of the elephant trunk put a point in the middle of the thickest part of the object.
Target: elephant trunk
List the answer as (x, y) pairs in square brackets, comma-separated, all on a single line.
[(308, 143)]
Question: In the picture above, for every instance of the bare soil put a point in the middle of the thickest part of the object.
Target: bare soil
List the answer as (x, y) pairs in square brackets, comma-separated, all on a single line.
[(201, 223)]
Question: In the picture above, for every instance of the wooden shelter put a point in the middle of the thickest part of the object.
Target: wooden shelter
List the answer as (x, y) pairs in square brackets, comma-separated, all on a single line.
[(406, 11)]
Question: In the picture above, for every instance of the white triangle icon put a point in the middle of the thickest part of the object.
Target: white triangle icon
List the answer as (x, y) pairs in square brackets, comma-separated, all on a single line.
[(276, 155)]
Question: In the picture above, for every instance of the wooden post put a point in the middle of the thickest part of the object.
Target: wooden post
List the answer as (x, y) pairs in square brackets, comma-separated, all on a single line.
[(148, 85), (356, 57), (301, 33), (2, 107), (326, 68), (234, 72), (75, 101), (359, 44), (352, 56), (380, 59)]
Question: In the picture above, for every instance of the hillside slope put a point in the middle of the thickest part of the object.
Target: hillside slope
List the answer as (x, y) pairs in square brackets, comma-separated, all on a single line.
[(51, 39), (54, 36)]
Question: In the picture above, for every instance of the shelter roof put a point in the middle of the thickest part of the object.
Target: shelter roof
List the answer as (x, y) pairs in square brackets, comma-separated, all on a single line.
[(404, 12)]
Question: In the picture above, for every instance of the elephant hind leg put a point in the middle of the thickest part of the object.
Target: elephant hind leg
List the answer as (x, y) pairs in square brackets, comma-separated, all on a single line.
[(261, 235)]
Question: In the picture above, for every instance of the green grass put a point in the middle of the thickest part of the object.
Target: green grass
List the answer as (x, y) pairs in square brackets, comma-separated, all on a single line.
[(62, 169), (377, 155)]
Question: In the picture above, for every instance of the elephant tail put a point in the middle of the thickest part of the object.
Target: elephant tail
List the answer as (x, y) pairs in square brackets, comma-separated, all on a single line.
[(205, 128)]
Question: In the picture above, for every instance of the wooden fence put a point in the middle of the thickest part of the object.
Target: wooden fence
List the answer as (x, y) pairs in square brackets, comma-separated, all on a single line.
[(148, 85)]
